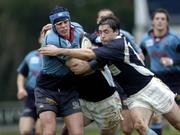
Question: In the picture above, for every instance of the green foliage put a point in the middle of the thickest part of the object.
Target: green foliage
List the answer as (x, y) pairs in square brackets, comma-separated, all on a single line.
[(95, 132)]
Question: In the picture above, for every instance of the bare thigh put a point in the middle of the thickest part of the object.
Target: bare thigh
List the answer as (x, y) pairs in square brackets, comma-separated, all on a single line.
[(38, 127), (174, 116), (141, 118), (87, 121), (48, 120), (26, 124), (126, 124), (74, 123)]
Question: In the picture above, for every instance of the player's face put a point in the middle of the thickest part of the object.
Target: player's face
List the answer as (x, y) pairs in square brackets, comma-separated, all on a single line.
[(160, 21), (63, 28), (106, 33)]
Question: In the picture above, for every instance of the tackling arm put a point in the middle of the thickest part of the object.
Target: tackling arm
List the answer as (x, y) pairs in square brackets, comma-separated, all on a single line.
[(84, 54)]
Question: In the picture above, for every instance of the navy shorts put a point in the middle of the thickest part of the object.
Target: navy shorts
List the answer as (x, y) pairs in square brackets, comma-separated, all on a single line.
[(63, 103), (29, 109)]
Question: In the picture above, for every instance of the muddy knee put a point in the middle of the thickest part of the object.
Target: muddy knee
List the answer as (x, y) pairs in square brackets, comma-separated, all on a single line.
[(140, 126)]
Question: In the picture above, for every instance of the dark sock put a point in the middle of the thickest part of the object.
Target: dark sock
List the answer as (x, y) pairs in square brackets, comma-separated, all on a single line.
[(150, 132), (33, 131), (117, 131), (157, 127)]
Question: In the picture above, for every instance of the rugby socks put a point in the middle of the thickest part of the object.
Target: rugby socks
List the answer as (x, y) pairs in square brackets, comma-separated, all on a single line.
[(157, 127), (117, 131), (150, 132), (33, 131)]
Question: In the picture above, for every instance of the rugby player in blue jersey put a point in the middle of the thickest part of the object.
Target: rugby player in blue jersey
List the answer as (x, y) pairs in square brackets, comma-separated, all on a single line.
[(28, 72), (162, 45), (55, 93), (146, 93)]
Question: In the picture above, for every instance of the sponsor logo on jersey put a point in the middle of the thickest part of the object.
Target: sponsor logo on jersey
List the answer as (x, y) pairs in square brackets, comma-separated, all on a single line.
[(34, 60), (114, 70), (149, 43)]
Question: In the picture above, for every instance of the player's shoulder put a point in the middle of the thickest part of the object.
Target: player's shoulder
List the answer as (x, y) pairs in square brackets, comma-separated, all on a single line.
[(51, 37), (75, 24), (126, 33), (118, 42), (31, 54), (145, 36), (174, 34), (50, 33), (77, 27)]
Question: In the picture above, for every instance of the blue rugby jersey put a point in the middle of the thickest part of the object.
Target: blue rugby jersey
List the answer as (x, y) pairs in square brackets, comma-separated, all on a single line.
[(30, 67), (161, 47), (54, 65), (125, 65)]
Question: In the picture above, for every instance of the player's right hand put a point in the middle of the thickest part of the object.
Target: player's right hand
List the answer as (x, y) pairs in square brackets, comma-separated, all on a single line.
[(22, 94)]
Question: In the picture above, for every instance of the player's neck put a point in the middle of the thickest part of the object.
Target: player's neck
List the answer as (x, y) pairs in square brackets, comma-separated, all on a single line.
[(160, 33)]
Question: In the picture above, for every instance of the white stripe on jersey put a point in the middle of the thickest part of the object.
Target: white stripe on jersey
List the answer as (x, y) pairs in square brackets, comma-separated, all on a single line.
[(141, 69), (138, 68), (107, 74)]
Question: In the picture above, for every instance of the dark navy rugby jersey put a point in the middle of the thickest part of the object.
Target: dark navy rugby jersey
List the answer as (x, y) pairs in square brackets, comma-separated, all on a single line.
[(125, 65), (96, 87), (95, 39)]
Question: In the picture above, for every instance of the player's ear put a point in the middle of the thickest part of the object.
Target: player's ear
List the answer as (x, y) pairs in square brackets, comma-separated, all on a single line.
[(117, 32)]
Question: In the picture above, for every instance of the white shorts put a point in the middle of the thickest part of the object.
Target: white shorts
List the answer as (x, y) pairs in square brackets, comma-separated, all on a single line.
[(106, 113), (155, 96)]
